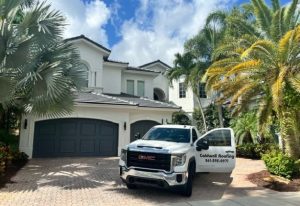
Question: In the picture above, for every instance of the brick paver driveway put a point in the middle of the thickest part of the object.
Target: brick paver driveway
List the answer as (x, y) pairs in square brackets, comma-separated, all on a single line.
[(95, 181)]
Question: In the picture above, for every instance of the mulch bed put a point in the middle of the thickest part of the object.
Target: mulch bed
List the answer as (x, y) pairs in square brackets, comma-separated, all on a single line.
[(263, 178), (10, 172)]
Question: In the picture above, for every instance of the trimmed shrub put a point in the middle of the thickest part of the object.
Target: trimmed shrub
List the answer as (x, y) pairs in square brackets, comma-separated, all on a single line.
[(254, 150), (281, 164), (180, 118)]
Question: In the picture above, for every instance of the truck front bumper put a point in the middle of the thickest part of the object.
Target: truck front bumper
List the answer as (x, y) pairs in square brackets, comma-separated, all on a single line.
[(153, 178)]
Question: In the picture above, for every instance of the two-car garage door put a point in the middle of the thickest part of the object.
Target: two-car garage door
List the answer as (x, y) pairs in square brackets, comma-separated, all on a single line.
[(75, 137)]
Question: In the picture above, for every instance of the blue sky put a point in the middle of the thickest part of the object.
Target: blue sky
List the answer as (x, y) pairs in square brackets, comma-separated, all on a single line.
[(139, 31)]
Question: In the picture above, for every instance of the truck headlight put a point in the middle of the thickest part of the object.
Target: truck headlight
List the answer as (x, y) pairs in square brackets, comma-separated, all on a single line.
[(123, 156), (178, 159)]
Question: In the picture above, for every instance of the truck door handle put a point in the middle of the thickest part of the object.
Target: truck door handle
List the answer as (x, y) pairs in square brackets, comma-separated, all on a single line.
[(229, 151)]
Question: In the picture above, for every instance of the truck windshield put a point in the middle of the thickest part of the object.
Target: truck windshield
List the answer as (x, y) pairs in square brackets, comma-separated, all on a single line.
[(168, 134)]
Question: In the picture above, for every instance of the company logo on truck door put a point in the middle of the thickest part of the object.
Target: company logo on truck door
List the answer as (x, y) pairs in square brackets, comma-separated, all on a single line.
[(146, 157), (227, 156)]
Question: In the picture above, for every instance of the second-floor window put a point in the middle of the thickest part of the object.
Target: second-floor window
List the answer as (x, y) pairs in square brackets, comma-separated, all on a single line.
[(141, 88), (202, 92), (130, 87), (182, 92), (86, 74)]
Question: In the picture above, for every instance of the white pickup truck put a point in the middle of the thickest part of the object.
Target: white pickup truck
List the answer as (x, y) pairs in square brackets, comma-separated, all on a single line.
[(170, 155)]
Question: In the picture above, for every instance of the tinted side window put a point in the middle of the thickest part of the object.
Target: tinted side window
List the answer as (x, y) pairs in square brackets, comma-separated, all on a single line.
[(194, 135), (219, 138)]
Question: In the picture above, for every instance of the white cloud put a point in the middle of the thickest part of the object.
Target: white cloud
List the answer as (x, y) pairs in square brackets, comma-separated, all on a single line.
[(84, 18), (160, 28)]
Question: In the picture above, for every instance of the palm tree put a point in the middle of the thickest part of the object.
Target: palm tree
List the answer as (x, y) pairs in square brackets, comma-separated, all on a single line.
[(186, 66), (203, 45), (267, 72), (39, 71), (245, 127)]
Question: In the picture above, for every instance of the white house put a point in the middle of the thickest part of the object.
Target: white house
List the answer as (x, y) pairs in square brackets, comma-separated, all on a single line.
[(119, 102), (185, 98)]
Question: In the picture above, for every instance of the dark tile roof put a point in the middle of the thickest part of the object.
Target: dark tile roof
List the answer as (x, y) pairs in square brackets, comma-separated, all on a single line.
[(141, 69), (89, 40), (154, 62), (122, 99), (114, 61)]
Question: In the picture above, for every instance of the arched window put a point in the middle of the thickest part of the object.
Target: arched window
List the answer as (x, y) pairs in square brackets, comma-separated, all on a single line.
[(86, 75)]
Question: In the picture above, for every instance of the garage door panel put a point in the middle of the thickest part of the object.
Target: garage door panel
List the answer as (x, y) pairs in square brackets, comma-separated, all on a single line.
[(106, 130), (47, 129), (88, 146), (107, 147), (68, 128), (75, 137), (45, 146), (68, 146), (89, 129), (141, 127)]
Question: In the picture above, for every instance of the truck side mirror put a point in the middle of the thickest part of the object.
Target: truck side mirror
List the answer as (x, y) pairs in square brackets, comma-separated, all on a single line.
[(202, 144), (137, 136)]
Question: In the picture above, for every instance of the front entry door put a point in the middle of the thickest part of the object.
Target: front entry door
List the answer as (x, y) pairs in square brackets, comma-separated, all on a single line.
[(221, 154)]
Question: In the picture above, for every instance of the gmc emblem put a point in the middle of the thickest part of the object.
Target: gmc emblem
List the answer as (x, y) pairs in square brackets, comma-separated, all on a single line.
[(146, 157)]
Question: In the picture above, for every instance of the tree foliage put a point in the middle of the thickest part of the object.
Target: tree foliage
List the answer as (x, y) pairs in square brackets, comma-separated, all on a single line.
[(260, 66), (39, 71)]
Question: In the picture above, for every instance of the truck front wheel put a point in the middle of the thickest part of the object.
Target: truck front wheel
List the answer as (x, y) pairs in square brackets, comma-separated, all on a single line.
[(130, 186), (187, 188)]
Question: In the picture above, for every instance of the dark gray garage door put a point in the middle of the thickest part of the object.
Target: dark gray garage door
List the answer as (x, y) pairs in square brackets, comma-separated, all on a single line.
[(141, 127), (75, 137)]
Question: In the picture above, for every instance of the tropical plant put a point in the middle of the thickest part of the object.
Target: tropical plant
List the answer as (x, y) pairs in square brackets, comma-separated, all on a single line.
[(240, 73), (211, 113), (202, 47), (39, 71), (266, 72), (180, 118), (186, 67), (245, 127)]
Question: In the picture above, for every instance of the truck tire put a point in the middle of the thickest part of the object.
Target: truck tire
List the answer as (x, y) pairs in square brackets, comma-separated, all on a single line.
[(131, 186), (187, 188)]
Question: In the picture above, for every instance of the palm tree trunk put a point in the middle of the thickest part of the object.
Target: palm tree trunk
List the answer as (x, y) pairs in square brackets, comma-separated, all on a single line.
[(201, 111), (289, 131), (220, 115)]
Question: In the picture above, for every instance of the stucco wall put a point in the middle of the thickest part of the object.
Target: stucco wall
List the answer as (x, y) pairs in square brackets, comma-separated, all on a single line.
[(186, 103), (114, 114), (160, 81), (112, 78), (93, 58)]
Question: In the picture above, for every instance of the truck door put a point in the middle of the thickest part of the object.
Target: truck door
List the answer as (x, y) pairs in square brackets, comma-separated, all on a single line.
[(221, 153)]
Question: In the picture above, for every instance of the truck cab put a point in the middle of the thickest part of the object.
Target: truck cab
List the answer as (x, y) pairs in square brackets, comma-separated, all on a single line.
[(171, 155)]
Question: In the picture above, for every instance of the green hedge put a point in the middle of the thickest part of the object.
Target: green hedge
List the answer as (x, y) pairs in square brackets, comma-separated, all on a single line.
[(255, 150), (281, 164)]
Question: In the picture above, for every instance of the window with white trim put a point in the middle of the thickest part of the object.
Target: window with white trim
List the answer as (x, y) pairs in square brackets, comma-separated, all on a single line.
[(130, 87), (182, 91), (86, 74), (141, 88)]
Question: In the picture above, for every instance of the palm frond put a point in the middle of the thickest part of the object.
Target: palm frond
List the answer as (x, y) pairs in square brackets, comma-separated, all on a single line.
[(295, 82), (261, 49), (290, 14), (277, 88), (264, 112), (275, 5), (239, 93), (246, 67), (263, 14), (278, 24)]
